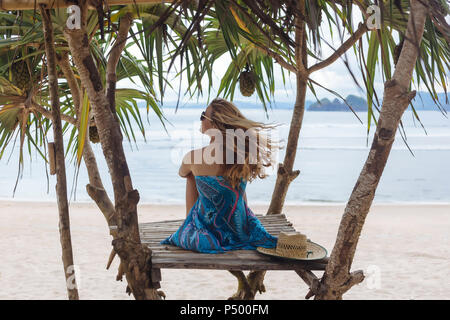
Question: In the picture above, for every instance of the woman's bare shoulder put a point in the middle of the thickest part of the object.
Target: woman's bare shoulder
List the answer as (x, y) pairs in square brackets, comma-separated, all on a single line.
[(194, 156), (198, 165)]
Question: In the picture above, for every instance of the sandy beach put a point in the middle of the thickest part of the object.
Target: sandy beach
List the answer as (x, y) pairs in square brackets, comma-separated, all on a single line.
[(403, 251)]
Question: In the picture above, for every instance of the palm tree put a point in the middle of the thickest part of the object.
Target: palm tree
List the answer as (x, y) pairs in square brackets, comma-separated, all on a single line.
[(397, 96), (247, 30), (252, 31), (58, 155), (25, 107)]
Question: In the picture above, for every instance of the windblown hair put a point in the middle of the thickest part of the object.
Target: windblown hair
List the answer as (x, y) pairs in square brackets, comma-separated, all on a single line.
[(225, 115)]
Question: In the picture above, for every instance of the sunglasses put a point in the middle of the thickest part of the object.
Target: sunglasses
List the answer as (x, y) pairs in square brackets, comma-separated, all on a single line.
[(203, 117)]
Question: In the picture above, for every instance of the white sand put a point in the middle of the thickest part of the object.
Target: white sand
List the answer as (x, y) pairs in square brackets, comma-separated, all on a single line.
[(403, 250)]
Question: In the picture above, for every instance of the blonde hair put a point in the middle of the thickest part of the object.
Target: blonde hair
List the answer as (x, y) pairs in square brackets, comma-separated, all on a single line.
[(225, 115)]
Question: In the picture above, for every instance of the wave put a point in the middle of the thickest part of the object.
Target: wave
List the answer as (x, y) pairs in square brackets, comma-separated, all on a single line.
[(307, 202)]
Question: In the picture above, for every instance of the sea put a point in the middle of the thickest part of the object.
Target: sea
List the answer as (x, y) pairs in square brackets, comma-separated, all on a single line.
[(332, 149)]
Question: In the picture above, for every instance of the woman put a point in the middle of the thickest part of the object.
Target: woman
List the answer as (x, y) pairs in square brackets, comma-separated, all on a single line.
[(218, 218)]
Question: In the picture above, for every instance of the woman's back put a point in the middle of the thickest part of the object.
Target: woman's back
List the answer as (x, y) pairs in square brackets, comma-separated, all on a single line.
[(199, 167)]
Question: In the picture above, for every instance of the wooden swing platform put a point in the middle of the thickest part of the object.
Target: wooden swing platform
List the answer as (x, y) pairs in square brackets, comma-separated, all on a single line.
[(169, 256)]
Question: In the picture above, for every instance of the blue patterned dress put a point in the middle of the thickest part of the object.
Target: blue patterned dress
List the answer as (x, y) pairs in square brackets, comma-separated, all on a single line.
[(220, 220)]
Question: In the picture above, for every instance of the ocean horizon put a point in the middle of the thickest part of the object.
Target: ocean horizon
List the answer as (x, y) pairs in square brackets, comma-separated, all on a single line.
[(332, 149)]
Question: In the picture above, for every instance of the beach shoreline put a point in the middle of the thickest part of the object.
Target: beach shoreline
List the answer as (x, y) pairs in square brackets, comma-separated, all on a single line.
[(403, 251), (143, 204)]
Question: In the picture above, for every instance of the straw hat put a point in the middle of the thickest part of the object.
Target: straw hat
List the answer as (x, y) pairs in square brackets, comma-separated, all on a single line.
[(295, 245)]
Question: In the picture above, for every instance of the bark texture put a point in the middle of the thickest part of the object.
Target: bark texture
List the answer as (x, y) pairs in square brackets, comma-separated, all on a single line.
[(95, 187), (61, 185), (285, 174), (135, 257), (337, 278)]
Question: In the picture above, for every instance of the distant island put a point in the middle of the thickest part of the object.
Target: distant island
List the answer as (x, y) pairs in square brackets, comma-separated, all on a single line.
[(357, 104), (423, 101)]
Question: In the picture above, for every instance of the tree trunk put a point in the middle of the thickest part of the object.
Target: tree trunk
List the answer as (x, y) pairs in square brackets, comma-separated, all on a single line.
[(135, 257), (61, 185), (95, 187), (285, 175), (337, 278)]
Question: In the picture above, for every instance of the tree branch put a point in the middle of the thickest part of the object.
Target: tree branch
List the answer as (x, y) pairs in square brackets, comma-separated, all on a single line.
[(244, 291), (442, 28), (362, 28), (46, 113), (64, 64), (114, 57), (99, 195), (95, 187), (356, 277), (279, 59), (300, 40)]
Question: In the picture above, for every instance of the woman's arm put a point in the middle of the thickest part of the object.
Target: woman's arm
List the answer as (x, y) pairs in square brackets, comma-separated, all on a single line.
[(185, 168), (185, 171), (245, 196), (191, 192)]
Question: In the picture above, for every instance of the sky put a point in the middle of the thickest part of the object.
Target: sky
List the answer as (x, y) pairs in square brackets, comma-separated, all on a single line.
[(335, 76)]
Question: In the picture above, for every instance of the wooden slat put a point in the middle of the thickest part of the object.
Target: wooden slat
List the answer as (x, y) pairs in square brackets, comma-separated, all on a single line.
[(157, 238), (147, 234), (181, 253), (233, 254), (265, 220), (160, 235), (163, 250), (264, 223), (172, 229), (262, 218), (163, 226), (168, 226), (149, 237), (233, 264)]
